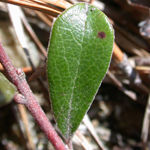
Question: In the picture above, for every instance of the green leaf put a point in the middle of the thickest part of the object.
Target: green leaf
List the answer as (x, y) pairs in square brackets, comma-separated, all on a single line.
[(7, 91), (79, 54)]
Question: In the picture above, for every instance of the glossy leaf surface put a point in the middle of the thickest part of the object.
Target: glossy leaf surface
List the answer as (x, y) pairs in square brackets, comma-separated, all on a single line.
[(79, 54)]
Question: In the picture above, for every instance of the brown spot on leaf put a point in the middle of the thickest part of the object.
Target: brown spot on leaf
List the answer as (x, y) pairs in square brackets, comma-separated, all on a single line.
[(62, 94), (101, 35)]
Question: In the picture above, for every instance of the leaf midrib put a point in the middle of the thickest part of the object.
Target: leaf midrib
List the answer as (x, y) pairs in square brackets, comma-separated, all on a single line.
[(70, 102)]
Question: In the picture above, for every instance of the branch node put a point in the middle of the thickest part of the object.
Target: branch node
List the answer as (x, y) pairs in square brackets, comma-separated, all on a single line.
[(20, 99), (20, 73)]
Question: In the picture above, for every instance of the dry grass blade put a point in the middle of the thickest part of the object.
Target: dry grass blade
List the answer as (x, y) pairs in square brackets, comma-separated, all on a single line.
[(82, 141), (117, 54), (26, 70), (44, 4), (32, 34), (91, 1), (138, 41), (129, 46), (59, 3), (90, 127), (118, 84), (16, 109), (44, 18), (146, 121), (17, 24), (38, 72), (35, 6), (24, 117), (144, 69), (16, 16)]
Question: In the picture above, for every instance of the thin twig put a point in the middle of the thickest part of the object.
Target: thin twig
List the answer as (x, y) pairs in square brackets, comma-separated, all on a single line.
[(27, 98)]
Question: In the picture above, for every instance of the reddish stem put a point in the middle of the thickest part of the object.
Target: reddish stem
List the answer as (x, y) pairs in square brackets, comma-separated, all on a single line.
[(28, 99)]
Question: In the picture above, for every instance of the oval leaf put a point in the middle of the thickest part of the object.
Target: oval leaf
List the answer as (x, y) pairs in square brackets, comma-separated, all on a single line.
[(79, 54)]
